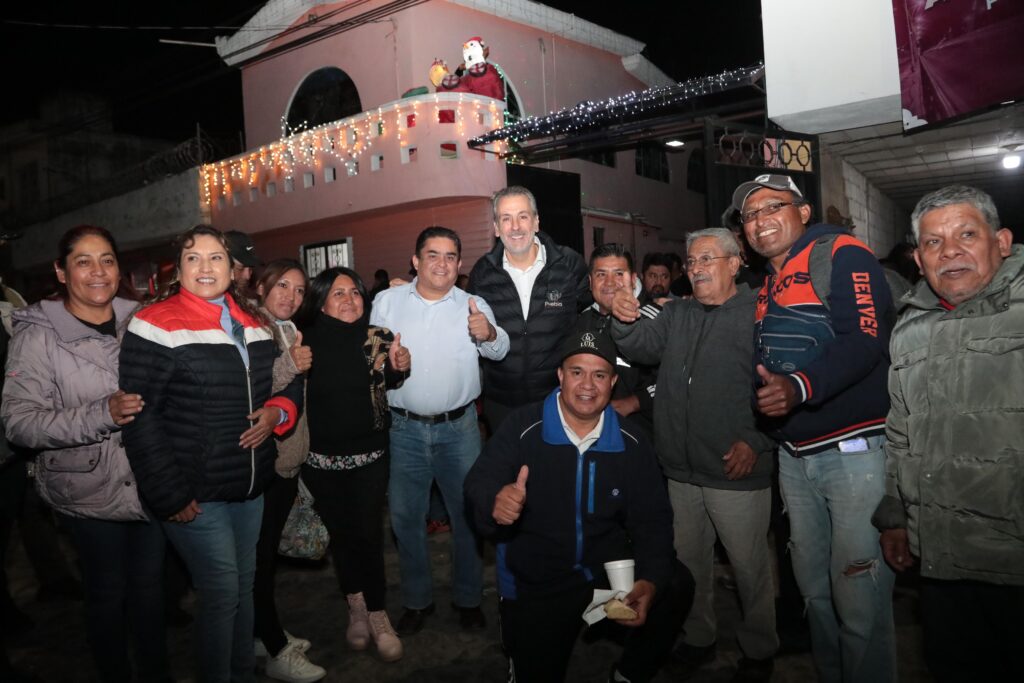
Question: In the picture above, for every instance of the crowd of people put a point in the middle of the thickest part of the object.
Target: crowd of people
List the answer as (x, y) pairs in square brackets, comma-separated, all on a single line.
[(642, 416)]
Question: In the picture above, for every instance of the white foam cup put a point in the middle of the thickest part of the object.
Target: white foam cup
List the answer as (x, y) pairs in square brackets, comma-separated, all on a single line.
[(620, 574)]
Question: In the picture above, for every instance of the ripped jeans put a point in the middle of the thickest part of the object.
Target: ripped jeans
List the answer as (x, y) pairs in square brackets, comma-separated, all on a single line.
[(846, 585)]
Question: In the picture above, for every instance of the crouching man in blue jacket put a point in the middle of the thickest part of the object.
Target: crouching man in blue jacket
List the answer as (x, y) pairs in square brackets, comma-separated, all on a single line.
[(563, 487)]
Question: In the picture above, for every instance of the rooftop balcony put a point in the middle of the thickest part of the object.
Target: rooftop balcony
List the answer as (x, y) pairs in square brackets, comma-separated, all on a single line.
[(402, 152)]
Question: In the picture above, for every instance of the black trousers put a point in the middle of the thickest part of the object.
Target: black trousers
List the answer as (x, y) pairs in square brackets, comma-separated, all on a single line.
[(973, 631), (539, 634), (278, 499), (351, 505)]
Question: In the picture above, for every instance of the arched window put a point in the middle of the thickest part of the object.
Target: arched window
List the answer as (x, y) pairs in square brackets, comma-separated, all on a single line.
[(327, 94)]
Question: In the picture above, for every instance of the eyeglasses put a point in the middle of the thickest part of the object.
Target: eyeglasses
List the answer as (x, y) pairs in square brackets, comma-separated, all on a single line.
[(704, 260), (766, 210)]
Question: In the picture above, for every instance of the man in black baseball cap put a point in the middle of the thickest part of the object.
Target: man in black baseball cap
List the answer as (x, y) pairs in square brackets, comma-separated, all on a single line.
[(563, 487), (243, 257)]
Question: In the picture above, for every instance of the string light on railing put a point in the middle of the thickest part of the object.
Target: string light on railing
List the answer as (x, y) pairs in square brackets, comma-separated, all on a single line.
[(346, 141)]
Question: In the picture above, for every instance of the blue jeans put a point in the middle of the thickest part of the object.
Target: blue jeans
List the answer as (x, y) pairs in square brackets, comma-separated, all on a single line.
[(837, 560), (421, 453), (219, 548), (123, 571)]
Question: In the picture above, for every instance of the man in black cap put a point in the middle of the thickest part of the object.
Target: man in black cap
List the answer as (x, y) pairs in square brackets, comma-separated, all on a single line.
[(243, 258), (562, 488)]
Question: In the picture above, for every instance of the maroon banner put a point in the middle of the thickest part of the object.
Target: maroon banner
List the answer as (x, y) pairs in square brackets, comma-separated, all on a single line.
[(958, 56)]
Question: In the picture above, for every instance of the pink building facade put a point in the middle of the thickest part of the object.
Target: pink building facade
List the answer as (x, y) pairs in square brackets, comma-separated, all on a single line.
[(359, 188)]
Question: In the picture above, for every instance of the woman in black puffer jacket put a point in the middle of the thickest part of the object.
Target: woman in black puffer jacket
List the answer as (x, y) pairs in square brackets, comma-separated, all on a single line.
[(202, 361)]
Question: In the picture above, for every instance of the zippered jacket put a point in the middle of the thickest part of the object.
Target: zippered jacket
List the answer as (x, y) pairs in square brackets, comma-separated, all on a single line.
[(183, 446), (955, 434), (528, 372), (703, 402), (581, 511), (836, 355), (60, 375)]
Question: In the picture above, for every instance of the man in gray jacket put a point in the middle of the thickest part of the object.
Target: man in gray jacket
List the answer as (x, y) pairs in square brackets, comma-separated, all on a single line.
[(717, 462), (955, 438)]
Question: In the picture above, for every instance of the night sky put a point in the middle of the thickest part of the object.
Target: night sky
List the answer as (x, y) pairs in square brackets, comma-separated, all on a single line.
[(163, 91)]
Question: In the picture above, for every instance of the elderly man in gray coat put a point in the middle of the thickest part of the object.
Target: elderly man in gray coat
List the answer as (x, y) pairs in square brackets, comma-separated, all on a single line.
[(717, 462)]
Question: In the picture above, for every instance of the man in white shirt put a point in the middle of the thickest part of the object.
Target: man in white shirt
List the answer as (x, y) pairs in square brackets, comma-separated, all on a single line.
[(434, 432)]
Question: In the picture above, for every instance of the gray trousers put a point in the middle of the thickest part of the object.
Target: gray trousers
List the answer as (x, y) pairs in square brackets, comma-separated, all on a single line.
[(740, 520)]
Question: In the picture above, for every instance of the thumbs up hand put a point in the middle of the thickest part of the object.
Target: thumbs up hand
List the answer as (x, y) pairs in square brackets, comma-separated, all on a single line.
[(480, 328), (777, 395), (625, 306), (509, 502), (398, 355), (302, 356)]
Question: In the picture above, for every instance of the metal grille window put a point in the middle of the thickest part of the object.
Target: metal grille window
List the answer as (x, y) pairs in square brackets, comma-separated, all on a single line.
[(319, 257), (652, 162)]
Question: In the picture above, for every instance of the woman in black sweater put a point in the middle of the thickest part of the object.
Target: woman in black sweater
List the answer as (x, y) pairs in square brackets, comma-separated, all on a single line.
[(347, 468)]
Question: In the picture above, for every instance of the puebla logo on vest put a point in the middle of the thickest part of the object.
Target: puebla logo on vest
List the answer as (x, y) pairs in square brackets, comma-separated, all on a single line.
[(553, 299)]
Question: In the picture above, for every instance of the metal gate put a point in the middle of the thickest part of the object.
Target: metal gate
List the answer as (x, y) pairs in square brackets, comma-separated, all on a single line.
[(735, 152)]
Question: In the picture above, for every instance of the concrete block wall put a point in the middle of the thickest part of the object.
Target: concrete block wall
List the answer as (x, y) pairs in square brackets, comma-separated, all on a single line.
[(880, 222)]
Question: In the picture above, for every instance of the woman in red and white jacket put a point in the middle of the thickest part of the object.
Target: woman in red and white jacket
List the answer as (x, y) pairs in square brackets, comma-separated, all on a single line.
[(202, 361)]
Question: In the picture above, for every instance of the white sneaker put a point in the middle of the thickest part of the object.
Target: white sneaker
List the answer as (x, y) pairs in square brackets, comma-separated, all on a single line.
[(260, 650), (358, 632), (389, 647), (291, 665)]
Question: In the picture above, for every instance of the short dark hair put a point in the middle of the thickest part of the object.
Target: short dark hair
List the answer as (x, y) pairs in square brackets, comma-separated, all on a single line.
[(381, 274), (675, 259), (438, 231), (611, 249), (656, 258)]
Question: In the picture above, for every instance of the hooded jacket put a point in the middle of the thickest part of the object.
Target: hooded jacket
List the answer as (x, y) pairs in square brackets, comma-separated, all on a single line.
[(835, 356), (955, 432), (60, 375)]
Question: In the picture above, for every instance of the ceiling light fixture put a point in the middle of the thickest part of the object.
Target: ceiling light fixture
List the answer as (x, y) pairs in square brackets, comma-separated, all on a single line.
[(1011, 161), (674, 143)]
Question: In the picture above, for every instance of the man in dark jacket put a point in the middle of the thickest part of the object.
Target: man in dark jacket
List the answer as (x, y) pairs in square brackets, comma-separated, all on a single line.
[(717, 462), (611, 270), (563, 487), (535, 288), (821, 356), (955, 468)]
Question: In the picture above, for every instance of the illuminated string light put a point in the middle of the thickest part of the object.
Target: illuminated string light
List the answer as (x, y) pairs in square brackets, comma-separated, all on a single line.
[(302, 147), (591, 115)]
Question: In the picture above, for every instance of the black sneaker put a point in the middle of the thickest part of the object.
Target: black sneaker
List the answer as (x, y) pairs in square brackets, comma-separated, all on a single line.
[(686, 659), (471, 618), (412, 620), (754, 670)]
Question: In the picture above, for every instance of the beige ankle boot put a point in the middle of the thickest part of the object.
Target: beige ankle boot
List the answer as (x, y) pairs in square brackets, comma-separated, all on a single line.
[(389, 647), (358, 632)]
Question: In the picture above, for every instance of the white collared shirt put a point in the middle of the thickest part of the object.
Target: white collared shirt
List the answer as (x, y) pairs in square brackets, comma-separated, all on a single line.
[(524, 279), (445, 373), (581, 444)]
